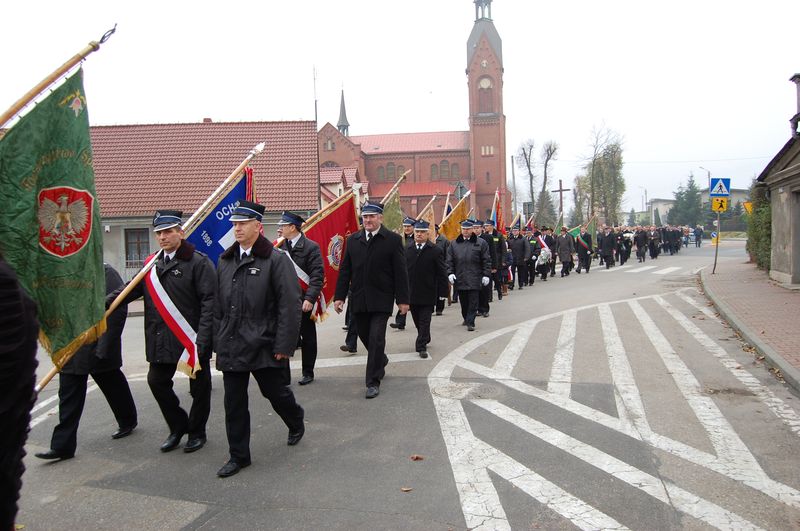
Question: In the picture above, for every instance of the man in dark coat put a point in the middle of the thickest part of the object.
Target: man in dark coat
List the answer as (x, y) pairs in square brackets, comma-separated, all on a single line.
[(607, 245), (565, 249), (19, 330), (188, 279), (498, 243), (374, 273), (485, 294), (256, 325), (520, 249), (468, 269), (654, 242), (641, 240), (442, 243), (427, 280), (583, 244), (550, 240), (408, 240), (306, 256), (102, 360)]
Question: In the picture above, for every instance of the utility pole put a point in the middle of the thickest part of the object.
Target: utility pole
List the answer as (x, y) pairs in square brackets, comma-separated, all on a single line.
[(514, 185)]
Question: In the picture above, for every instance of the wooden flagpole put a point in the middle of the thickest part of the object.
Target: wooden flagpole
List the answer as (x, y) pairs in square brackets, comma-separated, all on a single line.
[(20, 104), (456, 207), (189, 226), (320, 215), (394, 188)]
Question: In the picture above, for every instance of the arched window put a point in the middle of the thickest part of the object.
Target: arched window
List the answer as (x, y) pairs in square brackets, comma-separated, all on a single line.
[(444, 169), (434, 172), (381, 174), (390, 171), (485, 96), (400, 171), (455, 172), (329, 164)]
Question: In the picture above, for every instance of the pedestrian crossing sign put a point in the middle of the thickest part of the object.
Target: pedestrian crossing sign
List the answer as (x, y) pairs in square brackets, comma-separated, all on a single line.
[(719, 204), (720, 187)]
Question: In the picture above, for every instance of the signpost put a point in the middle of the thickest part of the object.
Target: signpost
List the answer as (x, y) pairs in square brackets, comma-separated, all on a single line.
[(719, 191)]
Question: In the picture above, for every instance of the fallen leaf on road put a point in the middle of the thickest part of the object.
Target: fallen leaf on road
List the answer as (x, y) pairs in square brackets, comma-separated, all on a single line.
[(762, 332), (406, 489), (417, 457), (760, 358)]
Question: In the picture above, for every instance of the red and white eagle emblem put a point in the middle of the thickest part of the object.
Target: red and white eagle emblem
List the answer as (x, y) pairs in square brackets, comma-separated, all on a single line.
[(65, 220)]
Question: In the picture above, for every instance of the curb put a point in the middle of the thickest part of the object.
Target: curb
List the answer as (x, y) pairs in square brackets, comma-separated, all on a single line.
[(790, 374)]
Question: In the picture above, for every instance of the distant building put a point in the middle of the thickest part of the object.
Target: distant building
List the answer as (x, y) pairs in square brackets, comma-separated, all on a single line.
[(438, 161), (782, 179), (659, 209)]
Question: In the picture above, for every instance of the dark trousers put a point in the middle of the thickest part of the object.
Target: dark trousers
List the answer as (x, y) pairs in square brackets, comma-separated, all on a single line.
[(531, 265), (584, 261), (440, 305), (469, 304), (484, 295), (521, 272), (654, 248), (641, 253), (72, 397), (159, 378), (274, 386), (566, 267), (552, 268), (308, 343), (400, 319), (421, 313), (372, 332)]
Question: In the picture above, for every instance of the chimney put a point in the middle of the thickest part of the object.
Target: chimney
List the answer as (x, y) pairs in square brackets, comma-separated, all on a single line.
[(796, 118), (207, 120)]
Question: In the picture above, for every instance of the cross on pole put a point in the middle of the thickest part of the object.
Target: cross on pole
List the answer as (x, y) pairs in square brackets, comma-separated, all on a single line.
[(561, 191)]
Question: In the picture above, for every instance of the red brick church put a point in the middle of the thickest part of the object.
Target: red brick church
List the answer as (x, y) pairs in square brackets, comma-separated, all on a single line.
[(440, 162)]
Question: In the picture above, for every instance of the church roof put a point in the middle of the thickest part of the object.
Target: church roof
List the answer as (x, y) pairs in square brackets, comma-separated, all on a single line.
[(141, 168), (484, 25), (407, 189), (413, 142)]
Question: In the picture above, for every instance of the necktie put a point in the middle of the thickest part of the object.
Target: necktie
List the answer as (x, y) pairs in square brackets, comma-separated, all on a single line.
[(419, 247), (369, 236), (166, 259), (289, 245)]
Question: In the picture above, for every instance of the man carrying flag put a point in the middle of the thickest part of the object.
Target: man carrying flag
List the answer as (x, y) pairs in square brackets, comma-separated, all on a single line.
[(306, 258), (178, 296)]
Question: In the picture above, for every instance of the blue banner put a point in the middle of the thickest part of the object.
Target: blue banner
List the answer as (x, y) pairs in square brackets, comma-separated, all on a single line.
[(214, 233)]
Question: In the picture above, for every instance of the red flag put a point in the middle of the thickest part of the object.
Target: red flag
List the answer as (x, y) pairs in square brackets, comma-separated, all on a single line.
[(330, 230)]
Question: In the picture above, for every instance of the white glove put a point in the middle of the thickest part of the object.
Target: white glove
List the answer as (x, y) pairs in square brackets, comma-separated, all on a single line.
[(442, 298), (485, 281), (452, 278)]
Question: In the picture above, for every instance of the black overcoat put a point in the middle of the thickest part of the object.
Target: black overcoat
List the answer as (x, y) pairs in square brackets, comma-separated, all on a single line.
[(427, 277), (308, 257), (106, 353), (607, 244), (257, 309), (375, 273), (587, 239), (191, 284), (469, 260)]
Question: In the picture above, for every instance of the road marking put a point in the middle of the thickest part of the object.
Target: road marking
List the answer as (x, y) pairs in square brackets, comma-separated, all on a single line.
[(560, 381), (614, 268), (640, 269), (510, 356), (666, 270)]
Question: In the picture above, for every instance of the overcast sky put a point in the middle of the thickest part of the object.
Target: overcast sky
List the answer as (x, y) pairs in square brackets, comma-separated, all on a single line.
[(685, 83)]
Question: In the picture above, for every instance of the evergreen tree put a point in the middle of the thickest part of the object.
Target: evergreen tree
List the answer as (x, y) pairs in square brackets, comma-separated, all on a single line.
[(632, 217), (545, 212), (657, 218), (692, 204)]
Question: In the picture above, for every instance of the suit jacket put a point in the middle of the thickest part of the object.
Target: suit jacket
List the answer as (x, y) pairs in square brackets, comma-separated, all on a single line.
[(427, 276), (308, 257), (607, 244), (373, 272)]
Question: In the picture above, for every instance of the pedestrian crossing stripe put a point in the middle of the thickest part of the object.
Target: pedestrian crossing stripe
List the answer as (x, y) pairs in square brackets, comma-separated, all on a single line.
[(720, 188)]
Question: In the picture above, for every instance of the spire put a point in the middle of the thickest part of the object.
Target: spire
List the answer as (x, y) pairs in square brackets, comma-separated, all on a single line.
[(342, 125), (483, 9)]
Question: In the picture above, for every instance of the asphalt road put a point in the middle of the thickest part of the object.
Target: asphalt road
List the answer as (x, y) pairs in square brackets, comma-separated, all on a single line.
[(604, 401)]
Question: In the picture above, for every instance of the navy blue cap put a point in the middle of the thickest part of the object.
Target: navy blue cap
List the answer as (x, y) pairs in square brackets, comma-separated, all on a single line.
[(372, 208), (467, 224), (422, 225), (246, 211), (489, 222), (409, 221), (290, 218), (477, 223), (166, 219)]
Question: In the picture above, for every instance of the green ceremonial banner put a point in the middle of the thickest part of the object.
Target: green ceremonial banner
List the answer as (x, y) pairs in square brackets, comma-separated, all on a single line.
[(50, 221), (393, 214)]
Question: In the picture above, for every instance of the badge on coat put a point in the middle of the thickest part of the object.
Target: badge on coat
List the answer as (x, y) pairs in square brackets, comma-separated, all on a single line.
[(177, 273), (253, 271)]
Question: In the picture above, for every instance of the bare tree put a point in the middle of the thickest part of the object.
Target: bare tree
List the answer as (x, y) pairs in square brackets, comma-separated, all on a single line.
[(549, 154), (525, 162)]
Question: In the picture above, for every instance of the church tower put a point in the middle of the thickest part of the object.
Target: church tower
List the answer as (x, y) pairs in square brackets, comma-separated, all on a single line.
[(343, 125), (487, 123)]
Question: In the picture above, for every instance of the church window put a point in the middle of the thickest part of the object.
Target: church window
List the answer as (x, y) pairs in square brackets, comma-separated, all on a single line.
[(390, 171), (329, 145), (381, 174), (400, 171), (488, 178), (455, 173), (444, 169), (485, 105), (434, 172)]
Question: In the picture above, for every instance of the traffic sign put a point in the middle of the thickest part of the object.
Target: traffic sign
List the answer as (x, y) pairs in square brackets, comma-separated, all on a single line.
[(720, 187), (719, 204), (713, 234)]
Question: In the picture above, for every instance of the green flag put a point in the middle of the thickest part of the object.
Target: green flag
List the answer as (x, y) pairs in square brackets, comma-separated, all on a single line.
[(50, 220), (392, 213)]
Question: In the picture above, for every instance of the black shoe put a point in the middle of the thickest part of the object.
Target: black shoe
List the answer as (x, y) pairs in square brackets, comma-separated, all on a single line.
[(372, 392), (305, 380), (194, 444), (345, 348), (345, 328), (295, 436), (463, 323), (172, 442), (123, 431), (578, 271), (520, 288), (470, 328), (438, 313), (395, 325), (52, 454), (230, 468), (423, 354), (486, 314)]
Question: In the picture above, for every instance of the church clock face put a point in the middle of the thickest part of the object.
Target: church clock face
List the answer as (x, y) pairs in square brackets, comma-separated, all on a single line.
[(485, 83)]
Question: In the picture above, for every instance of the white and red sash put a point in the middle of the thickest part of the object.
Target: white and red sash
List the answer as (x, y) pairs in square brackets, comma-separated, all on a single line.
[(176, 322), (542, 244), (302, 277)]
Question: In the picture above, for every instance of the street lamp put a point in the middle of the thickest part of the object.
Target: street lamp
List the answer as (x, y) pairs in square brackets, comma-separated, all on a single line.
[(709, 177), (646, 204)]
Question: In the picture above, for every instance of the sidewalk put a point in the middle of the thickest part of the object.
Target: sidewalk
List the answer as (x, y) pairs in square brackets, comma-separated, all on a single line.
[(764, 313)]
